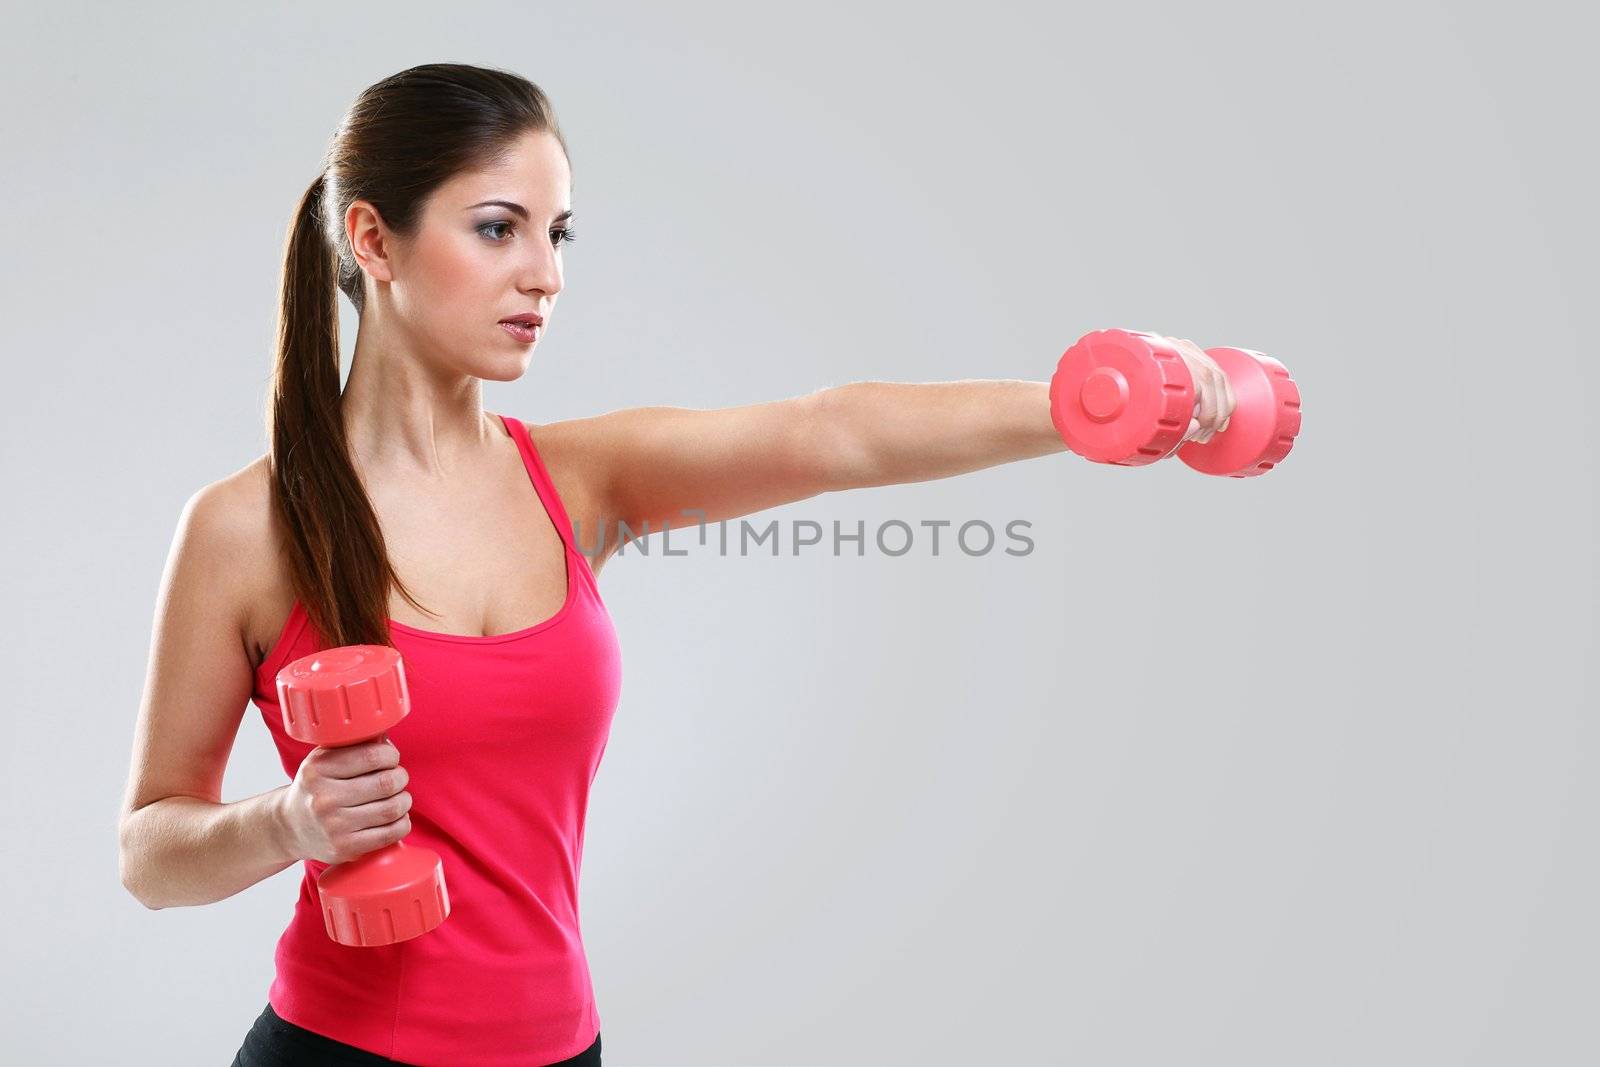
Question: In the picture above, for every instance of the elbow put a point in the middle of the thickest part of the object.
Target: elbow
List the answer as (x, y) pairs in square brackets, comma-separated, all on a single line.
[(133, 886), (129, 870), (148, 904)]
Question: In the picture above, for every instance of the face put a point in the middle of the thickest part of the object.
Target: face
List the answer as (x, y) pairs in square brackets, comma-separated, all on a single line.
[(472, 263)]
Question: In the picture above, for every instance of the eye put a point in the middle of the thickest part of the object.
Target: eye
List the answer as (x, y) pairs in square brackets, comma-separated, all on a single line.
[(557, 236)]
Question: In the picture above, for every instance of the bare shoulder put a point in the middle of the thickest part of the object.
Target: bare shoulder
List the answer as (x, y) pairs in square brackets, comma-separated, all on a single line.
[(234, 516), (577, 453)]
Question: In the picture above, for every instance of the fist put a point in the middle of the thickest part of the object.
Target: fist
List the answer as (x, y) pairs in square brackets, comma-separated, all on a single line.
[(347, 801), (1213, 395)]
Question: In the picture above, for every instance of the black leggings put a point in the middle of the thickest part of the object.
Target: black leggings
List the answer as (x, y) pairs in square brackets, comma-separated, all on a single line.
[(276, 1042)]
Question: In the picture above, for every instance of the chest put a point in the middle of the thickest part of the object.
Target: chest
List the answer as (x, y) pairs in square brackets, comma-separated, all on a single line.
[(483, 557)]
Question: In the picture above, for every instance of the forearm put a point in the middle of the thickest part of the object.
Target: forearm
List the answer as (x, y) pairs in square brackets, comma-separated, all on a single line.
[(183, 851), (886, 433)]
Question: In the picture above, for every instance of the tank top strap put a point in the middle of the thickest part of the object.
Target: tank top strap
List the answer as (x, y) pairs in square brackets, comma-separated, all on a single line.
[(541, 479)]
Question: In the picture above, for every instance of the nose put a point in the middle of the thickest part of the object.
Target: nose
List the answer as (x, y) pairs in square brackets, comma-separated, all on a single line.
[(541, 271)]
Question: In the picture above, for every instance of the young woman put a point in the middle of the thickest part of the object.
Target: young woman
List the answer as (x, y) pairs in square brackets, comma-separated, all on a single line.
[(399, 511)]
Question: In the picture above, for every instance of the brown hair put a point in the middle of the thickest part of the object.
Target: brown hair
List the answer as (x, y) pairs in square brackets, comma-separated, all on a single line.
[(402, 138)]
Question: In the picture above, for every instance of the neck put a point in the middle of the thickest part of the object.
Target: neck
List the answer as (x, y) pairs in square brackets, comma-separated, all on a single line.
[(402, 417)]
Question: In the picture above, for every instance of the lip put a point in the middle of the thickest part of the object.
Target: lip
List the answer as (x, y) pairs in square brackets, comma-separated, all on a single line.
[(526, 318), (526, 333)]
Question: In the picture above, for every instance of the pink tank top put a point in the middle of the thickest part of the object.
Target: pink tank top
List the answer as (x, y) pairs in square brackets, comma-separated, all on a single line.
[(503, 741)]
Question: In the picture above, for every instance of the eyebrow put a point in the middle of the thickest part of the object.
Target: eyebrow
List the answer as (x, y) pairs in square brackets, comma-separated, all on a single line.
[(519, 209)]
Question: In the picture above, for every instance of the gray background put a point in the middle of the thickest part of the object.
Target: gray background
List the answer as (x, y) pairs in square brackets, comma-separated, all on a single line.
[(1294, 769)]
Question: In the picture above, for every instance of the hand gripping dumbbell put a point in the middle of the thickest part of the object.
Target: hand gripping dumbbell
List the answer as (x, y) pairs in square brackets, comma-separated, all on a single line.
[(344, 696), (1126, 397)]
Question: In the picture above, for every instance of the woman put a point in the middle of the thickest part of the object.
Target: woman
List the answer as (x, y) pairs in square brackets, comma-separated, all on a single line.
[(441, 215)]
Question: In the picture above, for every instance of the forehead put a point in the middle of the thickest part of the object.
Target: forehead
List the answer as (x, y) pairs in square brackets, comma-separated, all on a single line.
[(533, 171)]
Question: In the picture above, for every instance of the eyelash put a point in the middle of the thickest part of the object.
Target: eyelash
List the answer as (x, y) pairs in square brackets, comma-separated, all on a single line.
[(564, 233)]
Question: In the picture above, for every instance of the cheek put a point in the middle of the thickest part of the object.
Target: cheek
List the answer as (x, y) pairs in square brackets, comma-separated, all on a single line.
[(452, 280), (459, 270)]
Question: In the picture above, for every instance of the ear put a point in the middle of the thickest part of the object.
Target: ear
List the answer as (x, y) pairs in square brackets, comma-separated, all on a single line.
[(370, 240)]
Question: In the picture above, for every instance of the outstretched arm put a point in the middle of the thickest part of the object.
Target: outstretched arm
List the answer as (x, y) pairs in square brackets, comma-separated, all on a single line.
[(895, 432), (654, 464)]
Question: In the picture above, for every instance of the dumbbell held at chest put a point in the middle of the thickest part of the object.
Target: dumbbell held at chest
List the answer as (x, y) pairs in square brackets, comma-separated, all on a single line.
[(343, 697), (1126, 397)]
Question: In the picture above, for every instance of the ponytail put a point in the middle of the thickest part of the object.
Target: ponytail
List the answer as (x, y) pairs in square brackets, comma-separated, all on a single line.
[(339, 568)]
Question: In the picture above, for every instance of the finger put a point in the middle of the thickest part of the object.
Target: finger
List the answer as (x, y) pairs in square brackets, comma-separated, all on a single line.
[(1211, 391), (1227, 392), (379, 812), (374, 786), (375, 837), (353, 761), (1210, 408), (1207, 400)]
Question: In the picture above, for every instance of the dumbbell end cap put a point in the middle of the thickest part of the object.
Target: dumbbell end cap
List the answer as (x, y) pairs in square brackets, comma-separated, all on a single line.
[(343, 695), (391, 894), (1121, 397), (1265, 420)]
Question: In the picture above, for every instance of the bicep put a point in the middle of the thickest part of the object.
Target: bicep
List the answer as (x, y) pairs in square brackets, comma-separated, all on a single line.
[(666, 465), (199, 675)]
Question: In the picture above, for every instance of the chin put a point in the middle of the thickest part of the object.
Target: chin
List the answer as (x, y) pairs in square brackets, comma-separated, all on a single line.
[(501, 370)]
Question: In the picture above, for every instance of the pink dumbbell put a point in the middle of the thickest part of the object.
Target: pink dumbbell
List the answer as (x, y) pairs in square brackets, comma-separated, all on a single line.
[(344, 696), (1126, 397)]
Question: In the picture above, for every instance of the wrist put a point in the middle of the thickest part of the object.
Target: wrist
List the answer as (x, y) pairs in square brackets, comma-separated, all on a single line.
[(278, 829)]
